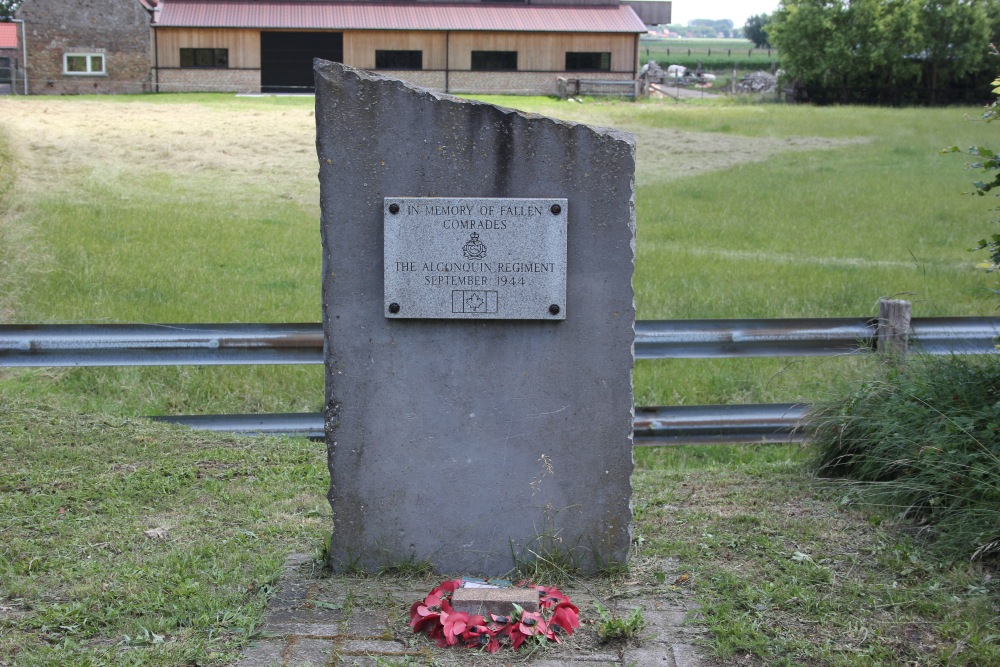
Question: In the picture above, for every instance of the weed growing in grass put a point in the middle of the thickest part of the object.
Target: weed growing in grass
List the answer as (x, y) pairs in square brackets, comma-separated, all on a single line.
[(922, 441)]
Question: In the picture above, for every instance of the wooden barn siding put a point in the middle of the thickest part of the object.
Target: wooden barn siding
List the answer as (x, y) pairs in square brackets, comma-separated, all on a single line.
[(544, 52), (536, 51), (243, 45), (360, 46)]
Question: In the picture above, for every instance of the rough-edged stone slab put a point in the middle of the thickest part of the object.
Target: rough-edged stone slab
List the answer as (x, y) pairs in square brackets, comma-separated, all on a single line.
[(472, 445)]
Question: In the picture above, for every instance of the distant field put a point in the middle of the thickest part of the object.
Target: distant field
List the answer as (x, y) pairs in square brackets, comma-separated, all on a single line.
[(713, 54), (204, 208)]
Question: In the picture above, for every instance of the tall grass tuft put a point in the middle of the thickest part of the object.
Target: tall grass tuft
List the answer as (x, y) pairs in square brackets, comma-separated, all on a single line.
[(922, 439)]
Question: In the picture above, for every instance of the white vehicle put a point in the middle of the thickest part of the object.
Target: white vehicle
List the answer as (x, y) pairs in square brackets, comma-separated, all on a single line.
[(680, 75)]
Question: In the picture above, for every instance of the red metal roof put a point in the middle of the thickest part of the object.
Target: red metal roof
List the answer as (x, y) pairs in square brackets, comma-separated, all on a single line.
[(8, 35), (316, 14)]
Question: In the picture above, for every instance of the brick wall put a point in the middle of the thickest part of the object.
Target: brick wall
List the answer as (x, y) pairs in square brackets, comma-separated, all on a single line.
[(425, 79), (520, 83), (118, 29), (209, 80), (248, 80)]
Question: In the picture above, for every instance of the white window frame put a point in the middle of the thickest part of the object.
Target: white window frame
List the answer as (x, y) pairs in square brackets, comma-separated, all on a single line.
[(88, 56)]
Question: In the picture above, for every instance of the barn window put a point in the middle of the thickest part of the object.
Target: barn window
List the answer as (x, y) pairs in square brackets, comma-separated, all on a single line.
[(85, 64), (584, 61), (399, 59), (494, 60), (204, 57)]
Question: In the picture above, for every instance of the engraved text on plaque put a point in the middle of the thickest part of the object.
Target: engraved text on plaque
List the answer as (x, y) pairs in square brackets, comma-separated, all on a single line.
[(465, 258)]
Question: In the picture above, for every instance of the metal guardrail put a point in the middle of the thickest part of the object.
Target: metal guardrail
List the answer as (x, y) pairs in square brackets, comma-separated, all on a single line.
[(674, 425), (239, 344), (246, 344), (160, 344)]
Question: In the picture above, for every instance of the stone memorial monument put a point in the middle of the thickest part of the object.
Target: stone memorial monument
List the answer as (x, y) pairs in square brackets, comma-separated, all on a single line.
[(479, 324)]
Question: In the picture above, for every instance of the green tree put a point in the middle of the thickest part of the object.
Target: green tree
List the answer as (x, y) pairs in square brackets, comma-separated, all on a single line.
[(755, 30), (804, 31), (882, 51), (953, 33), (7, 8)]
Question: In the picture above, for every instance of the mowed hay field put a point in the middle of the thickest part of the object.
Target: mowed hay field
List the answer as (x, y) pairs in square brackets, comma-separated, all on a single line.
[(204, 208)]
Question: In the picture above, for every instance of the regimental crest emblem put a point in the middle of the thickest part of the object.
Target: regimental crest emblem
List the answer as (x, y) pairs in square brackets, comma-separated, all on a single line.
[(474, 248)]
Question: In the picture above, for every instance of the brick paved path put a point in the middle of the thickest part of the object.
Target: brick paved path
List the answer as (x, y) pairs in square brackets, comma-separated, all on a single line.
[(325, 622)]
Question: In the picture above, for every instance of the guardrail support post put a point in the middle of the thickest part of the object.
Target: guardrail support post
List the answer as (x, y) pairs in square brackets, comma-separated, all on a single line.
[(893, 332)]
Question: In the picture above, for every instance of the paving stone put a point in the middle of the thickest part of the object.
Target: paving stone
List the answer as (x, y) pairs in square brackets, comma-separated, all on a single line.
[(357, 661), (304, 629), (290, 596), (666, 626), (368, 646), (650, 655), (594, 658), (368, 623), (687, 655), (308, 653), (309, 622), (294, 589), (303, 617), (262, 654)]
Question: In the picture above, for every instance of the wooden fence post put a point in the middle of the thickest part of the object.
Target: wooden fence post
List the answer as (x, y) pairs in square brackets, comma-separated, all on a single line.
[(893, 332)]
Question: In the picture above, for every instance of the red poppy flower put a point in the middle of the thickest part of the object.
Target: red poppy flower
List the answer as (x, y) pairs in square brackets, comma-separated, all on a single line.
[(429, 605), (479, 635), (549, 596), (530, 624), (428, 623), (446, 588), (454, 623), (566, 616)]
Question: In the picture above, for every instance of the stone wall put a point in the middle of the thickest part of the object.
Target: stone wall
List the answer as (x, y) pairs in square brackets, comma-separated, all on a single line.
[(117, 29), (208, 80)]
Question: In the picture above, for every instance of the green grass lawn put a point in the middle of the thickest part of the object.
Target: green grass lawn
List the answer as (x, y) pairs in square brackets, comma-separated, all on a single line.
[(130, 543), (204, 208)]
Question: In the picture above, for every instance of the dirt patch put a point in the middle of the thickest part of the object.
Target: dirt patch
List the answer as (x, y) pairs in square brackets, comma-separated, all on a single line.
[(666, 154)]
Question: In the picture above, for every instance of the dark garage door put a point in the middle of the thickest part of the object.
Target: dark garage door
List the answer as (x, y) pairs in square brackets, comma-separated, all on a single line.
[(286, 59)]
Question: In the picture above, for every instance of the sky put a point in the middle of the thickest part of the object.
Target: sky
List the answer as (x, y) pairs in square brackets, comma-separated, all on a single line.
[(683, 11)]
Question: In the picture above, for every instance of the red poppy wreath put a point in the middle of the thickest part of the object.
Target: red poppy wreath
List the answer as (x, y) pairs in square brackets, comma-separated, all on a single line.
[(434, 615)]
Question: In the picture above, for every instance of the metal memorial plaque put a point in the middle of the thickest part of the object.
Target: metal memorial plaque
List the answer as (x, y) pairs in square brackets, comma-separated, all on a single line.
[(475, 258)]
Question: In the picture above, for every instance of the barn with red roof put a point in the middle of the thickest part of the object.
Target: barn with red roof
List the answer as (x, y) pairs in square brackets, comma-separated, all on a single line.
[(465, 47), (267, 46)]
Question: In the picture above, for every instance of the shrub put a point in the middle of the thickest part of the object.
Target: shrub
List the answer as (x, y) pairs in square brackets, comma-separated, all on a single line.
[(922, 439)]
